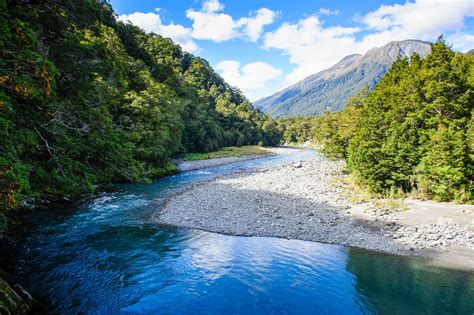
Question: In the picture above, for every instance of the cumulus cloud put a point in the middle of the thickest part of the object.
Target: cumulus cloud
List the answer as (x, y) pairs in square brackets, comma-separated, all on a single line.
[(312, 46), (151, 22), (209, 24), (422, 19), (423, 16), (253, 26), (252, 78), (217, 27)]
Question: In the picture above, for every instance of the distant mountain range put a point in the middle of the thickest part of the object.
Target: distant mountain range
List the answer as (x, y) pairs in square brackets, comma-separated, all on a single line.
[(329, 90)]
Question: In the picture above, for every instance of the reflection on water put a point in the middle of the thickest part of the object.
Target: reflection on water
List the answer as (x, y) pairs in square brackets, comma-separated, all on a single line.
[(418, 289), (102, 256)]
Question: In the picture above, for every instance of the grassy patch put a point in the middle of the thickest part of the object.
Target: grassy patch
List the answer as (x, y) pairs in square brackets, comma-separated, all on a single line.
[(352, 188), (356, 193), (391, 204), (227, 152)]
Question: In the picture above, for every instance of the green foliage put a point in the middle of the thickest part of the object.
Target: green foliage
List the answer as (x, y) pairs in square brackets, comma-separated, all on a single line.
[(413, 132), (332, 131), (227, 152), (86, 100), (442, 170), (297, 130)]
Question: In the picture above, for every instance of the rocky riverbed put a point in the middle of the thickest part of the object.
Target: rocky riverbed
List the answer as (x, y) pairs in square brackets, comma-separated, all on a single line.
[(303, 201)]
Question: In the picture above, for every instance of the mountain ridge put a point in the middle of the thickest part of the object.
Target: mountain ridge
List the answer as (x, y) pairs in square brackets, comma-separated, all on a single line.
[(329, 89)]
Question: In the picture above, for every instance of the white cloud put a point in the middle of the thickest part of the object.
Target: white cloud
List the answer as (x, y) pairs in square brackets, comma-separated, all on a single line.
[(208, 24), (427, 17), (151, 22), (212, 6), (422, 19), (217, 27), (253, 26), (312, 46), (324, 11), (252, 78)]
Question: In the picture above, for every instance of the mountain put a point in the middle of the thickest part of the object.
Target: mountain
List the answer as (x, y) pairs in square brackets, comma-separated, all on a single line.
[(329, 89)]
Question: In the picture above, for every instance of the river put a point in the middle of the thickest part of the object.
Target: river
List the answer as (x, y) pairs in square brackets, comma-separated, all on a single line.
[(101, 255)]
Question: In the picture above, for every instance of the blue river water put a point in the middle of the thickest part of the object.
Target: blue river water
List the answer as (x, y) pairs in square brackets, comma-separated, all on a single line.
[(101, 255)]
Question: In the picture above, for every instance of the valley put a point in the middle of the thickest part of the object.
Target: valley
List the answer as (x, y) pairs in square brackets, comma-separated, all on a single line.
[(142, 171)]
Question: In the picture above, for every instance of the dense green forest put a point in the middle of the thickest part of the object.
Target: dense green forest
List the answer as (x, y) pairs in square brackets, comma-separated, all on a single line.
[(85, 100), (413, 133)]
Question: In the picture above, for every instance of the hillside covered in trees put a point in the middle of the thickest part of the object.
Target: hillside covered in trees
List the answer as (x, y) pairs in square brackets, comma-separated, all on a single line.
[(85, 99), (413, 133)]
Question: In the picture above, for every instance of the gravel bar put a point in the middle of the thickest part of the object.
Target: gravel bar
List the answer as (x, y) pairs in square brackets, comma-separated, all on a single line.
[(301, 201)]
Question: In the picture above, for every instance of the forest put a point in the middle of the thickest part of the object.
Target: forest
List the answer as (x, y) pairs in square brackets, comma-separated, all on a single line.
[(413, 133), (87, 100)]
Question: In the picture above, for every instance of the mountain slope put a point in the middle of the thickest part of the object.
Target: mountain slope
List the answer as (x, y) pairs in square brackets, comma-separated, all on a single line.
[(329, 89)]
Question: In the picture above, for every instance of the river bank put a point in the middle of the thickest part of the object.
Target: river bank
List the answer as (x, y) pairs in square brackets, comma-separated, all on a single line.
[(183, 166), (302, 201), (223, 156)]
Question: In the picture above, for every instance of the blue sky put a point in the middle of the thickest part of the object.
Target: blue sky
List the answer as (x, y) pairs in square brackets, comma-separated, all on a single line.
[(262, 46)]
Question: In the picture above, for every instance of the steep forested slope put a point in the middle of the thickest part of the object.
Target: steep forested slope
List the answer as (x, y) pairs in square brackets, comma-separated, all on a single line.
[(414, 133), (85, 99), (329, 90)]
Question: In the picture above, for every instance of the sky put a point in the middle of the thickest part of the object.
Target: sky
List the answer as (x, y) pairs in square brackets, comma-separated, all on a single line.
[(263, 46)]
